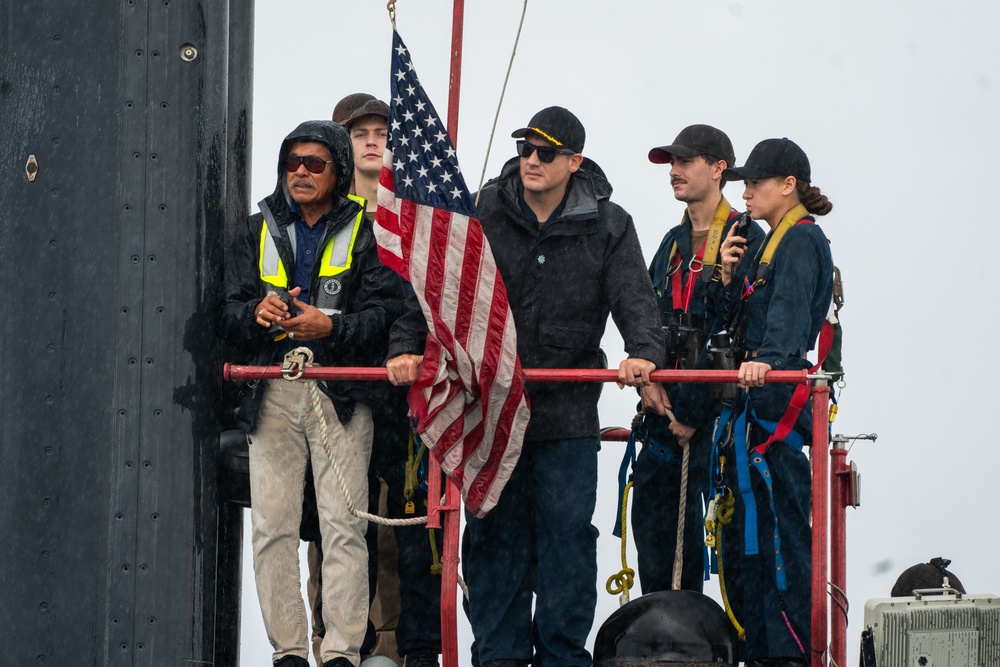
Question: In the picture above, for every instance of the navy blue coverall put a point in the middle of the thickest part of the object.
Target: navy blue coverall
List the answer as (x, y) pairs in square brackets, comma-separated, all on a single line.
[(783, 319), (657, 471)]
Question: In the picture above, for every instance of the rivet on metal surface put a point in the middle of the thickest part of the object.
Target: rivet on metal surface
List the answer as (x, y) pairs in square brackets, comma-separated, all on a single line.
[(188, 52), (31, 168)]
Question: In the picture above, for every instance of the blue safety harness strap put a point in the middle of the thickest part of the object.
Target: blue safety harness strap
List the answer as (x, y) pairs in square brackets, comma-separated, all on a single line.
[(760, 465), (665, 454), (743, 483), (744, 463), (627, 462)]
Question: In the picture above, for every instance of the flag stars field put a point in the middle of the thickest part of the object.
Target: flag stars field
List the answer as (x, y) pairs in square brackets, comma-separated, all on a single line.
[(423, 159)]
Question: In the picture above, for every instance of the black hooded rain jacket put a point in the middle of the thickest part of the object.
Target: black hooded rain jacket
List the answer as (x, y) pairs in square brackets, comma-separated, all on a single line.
[(372, 293)]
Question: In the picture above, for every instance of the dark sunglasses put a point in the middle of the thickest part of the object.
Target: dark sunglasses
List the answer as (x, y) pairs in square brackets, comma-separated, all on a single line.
[(314, 164), (546, 154)]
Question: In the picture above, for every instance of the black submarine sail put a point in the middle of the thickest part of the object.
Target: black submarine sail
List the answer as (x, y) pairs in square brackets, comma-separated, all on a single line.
[(124, 140)]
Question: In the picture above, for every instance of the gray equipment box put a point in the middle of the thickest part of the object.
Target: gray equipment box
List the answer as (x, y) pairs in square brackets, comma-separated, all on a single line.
[(950, 630)]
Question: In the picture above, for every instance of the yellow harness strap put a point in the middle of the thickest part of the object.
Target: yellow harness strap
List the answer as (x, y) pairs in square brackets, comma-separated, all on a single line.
[(788, 221), (712, 243)]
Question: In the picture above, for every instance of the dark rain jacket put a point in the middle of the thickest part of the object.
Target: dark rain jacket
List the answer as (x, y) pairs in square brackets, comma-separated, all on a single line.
[(372, 293), (562, 283)]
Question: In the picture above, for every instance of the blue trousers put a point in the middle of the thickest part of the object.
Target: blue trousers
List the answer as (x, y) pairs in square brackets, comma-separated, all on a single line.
[(539, 538), (656, 492), (751, 580)]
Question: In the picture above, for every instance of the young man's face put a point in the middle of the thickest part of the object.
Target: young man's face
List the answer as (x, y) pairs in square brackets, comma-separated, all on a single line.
[(368, 135), (543, 177), (695, 179), (307, 189)]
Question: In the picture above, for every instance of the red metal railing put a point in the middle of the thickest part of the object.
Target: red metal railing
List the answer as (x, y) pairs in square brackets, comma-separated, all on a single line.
[(236, 372), (825, 481)]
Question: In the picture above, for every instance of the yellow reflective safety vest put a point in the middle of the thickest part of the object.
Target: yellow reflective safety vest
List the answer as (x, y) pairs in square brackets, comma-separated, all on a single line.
[(334, 264)]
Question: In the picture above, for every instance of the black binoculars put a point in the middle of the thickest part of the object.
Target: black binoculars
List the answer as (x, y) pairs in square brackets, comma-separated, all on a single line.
[(723, 358), (685, 337)]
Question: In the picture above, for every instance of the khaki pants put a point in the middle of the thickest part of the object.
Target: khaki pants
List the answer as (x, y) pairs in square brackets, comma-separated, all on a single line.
[(287, 434), (384, 612)]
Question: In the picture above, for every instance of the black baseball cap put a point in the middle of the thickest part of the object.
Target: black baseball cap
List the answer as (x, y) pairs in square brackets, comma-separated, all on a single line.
[(558, 126), (372, 107), (770, 158), (697, 140), (347, 106)]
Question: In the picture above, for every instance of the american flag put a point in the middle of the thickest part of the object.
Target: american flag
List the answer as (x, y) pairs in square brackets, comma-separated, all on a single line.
[(470, 394)]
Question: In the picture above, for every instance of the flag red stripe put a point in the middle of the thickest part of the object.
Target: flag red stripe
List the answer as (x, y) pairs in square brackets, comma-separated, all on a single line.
[(469, 396), (469, 287)]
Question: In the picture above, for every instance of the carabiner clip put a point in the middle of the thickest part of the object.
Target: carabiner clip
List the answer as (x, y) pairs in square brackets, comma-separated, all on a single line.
[(296, 362)]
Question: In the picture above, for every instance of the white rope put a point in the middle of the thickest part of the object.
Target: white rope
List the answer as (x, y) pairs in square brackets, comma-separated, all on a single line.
[(325, 440), (503, 90), (681, 512), (374, 518), (295, 362)]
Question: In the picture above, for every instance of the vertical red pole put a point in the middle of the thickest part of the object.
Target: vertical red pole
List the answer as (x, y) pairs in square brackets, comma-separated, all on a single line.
[(820, 514), (449, 577), (840, 499), (455, 81), (449, 557)]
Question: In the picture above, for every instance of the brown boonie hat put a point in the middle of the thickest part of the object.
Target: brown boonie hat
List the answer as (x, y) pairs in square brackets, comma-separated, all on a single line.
[(372, 107), (347, 106)]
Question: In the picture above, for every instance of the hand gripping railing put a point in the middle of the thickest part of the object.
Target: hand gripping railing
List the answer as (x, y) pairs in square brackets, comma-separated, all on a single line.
[(446, 513)]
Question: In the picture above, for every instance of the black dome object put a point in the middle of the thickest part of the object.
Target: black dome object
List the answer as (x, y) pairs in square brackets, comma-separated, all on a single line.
[(666, 628), (926, 576)]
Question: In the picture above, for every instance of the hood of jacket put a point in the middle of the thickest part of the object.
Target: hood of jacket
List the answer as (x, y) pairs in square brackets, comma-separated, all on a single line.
[(587, 186), (338, 142)]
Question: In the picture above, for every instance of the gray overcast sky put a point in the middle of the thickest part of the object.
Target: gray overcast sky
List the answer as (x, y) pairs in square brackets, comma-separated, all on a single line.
[(894, 102)]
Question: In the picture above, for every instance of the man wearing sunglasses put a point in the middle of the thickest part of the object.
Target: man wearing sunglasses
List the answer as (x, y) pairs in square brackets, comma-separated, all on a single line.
[(305, 272), (405, 611), (366, 120), (569, 257)]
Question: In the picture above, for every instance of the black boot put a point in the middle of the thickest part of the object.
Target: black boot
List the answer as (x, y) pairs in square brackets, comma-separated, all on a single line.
[(292, 661), (338, 662), (421, 657)]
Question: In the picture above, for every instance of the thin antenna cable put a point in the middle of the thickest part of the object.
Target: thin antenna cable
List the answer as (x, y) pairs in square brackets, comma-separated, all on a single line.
[(493, 130)]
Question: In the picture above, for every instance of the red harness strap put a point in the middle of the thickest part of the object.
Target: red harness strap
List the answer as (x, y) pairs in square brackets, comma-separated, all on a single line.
[(682, 295), (801, 393)]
